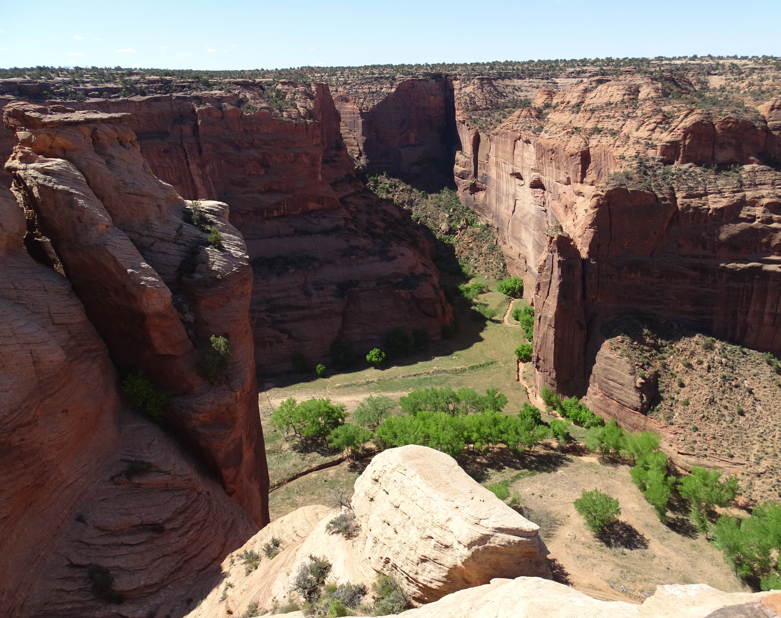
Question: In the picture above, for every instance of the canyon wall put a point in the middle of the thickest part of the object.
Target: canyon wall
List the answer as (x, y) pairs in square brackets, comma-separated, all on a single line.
[(691, 232), (330, 261), (405, 129), (103, 505)]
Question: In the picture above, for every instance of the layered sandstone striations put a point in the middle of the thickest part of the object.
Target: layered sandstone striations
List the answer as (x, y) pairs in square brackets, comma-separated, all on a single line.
[(330, 261), (107, 513), (158, 278), (667, 210), (418, 517)]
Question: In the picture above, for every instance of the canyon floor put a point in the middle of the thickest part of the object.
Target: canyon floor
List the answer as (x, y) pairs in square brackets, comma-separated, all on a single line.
[(641, 554)]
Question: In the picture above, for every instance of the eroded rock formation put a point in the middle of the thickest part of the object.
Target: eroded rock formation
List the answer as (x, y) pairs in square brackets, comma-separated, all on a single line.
[(330, 261), (681, 240), (104, 508), (419, 518)]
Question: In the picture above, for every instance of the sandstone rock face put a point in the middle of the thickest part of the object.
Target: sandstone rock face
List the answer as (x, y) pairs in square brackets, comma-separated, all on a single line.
[(409, 132), (91, 493), (420, 519), (58, 418), (531, 597), (151, 282), (330, 262), (456, 533), (681, 241)]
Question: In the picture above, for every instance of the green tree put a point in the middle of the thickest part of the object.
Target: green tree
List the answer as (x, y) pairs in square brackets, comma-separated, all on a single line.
[(608, 439), (597, 509), (524, 352), (320, 370), (704, 490), (375, 357), (373, 410), (348, 436), (561, 431), (511, 286), (309, 421), (526, 319)]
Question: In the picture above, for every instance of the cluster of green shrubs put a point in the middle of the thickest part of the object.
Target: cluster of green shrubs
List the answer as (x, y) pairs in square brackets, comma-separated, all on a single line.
[(525, 317), (570, 408), (511, 286), (441, 418)]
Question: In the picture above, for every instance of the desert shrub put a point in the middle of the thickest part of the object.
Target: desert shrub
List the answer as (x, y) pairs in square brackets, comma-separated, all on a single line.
[(214, 238), (373, 410), (577, 412), (463, 401), (608, 439), (214, 358), (639, 444), (704, 489), (501, 490), (470, 291), (752, 545), (349, 594), (389, 598), (561, 431), (341, 354), (311, 577), (144, 397), (320, 370), (344, 524), (299, 363), (102, 584), (398, 343), (511, 286), (375, 357), (308, 421), (272, 548), (433, 429), (524, 352), (773, 361), (597, 509), (250, 559), (549, 397), (658, 489), (348, 436), (430, 400), (526, 319), (530, 413)]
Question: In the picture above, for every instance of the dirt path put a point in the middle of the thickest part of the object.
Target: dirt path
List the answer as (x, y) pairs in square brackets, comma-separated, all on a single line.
[(507, 319)]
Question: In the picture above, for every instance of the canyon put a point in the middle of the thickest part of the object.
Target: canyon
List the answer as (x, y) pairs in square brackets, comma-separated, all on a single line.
[(140, 228)]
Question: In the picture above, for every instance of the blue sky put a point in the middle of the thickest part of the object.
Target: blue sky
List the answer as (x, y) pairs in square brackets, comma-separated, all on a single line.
[(204, 34)]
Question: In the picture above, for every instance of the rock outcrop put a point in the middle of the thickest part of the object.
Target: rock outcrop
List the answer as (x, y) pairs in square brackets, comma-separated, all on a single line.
[(406, 129), (103, 510), (531, 597), (693, 236), (330, 261), (419, 518), (424, 521), (152, 282)]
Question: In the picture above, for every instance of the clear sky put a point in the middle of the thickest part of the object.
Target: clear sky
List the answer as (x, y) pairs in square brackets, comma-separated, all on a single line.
[(240, 34)]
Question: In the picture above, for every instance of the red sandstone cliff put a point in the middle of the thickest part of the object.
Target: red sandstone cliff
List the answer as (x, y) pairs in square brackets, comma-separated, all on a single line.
[(330, 261), (699, 245), (102, 504)]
